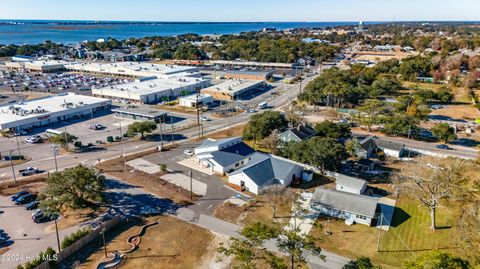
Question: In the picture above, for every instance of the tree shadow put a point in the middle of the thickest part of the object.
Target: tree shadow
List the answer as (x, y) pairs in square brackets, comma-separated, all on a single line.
[(466, 142)]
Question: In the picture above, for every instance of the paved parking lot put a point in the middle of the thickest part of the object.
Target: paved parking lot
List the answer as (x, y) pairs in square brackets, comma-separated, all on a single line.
[(26, 237)]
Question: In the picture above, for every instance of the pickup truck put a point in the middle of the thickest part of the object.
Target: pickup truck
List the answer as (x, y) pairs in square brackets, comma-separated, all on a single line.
[(29, 171)]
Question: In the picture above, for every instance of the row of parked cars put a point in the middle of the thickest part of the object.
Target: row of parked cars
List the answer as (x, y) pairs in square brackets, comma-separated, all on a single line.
[(30, 202), (62, 81)]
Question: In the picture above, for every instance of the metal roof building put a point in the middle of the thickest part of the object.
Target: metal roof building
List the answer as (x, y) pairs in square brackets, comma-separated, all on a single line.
[(43, 111)]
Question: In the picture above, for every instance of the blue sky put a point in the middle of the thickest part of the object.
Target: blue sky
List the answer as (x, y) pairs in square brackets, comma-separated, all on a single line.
[(242, 10)]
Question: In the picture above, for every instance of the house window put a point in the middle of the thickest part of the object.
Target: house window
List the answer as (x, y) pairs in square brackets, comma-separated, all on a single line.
[(236, 165)]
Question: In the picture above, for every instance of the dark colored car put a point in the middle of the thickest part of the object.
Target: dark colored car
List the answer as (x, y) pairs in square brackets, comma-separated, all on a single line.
[(42, 218), (443, 146), (18, 194), (25, 199), (32, 205)]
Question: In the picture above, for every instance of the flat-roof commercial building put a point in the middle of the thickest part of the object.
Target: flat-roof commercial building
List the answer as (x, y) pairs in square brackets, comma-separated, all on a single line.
[(232, 89), (134, 69), (252, 75), (152, 91), (194, 101), (252, 64), (43, 111), (141, 114), (37, 66)]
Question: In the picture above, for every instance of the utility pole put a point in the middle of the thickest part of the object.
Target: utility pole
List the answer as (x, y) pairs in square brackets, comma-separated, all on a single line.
[(18, 146), (161, 132), (379, 232), (13, 168), (121, 138), (54, 148), (56, 230), (171, 128), (191, 185), (66, 137), (104, 243)]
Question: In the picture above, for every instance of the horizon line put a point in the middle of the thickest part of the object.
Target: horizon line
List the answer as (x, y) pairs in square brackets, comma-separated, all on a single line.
[(274, 21)]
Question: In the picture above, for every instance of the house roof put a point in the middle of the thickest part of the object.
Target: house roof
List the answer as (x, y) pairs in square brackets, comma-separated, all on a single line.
[(215, 142), (387, 144), (262, 168), (240, 149), (353, 203), (351, 182), (379, 143), (236, 152), (302, 132), (226, 158)]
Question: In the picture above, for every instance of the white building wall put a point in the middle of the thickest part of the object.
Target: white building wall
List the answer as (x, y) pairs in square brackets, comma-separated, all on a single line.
[(249, 184), (392, 153)]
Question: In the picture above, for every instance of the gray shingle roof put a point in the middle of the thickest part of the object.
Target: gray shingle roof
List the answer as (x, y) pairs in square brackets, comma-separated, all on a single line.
[(226, 158), (350, 181), (263, 168), (387, 144), (353, 203)]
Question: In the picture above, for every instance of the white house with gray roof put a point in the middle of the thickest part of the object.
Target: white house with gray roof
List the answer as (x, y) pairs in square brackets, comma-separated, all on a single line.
[(350, 184), (348, 206), (223, 155), (264, 170)]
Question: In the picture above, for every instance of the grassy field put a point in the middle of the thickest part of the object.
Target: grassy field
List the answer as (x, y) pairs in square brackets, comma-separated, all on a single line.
[(409, 236)]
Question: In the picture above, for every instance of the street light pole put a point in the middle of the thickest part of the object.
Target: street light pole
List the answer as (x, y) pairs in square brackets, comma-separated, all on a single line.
[(13, 168)]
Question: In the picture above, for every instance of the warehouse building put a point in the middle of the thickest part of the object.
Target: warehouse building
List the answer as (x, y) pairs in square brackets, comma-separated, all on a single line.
[(37, 66), (232, 89), (134, 69), (141, 114), (242, 64), (152, 90), (33, 113), (194, 101), (252, 75)]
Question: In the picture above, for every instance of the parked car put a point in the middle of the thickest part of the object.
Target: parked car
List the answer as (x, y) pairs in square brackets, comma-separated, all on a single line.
[(34, 139), (32, 205), (25, 199), (188, 152), (96, 126), (443, 146), (29, 171), (18, 194)]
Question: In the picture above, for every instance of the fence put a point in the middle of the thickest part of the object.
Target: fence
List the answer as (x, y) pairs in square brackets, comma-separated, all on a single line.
[(82, 242)]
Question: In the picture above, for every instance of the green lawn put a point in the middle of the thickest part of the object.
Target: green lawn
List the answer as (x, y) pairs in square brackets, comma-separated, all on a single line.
[(411, 236)]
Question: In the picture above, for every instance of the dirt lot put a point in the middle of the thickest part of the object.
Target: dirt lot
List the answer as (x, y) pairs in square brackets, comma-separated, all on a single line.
[(467, 112), (152, 183), (257, 210), (170, 244)]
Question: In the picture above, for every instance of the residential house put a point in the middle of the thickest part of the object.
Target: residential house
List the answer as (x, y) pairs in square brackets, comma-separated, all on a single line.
[(223, 155), (370, 145), (297, 134), (350, 184), (353, 208), (264, 170)]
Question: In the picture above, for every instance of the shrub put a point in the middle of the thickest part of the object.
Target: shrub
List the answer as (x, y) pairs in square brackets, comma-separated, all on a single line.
[(74, 237), (48, 255)]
